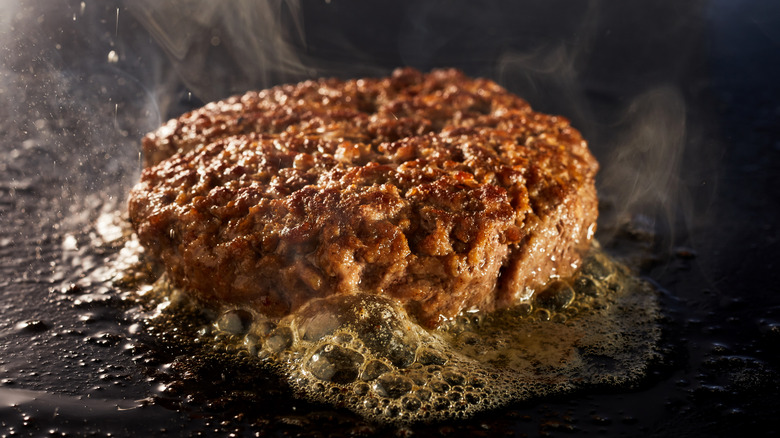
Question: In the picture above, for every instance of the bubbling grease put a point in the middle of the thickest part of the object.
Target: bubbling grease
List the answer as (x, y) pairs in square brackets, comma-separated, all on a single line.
[(362, 352)]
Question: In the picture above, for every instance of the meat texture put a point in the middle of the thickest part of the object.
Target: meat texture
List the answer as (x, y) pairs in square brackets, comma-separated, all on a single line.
[(444, 192)]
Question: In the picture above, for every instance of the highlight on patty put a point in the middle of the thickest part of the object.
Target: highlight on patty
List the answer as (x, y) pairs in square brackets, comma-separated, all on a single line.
[(442, 193)]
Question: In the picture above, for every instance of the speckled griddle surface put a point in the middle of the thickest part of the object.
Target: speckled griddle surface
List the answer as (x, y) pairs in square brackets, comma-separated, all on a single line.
[(679, 104)]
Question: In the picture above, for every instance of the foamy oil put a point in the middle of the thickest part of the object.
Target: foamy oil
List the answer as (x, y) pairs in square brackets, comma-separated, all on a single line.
[(599, 327)]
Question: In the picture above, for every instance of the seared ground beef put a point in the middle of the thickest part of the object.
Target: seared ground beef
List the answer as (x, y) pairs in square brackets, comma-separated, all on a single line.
[(444, 192)]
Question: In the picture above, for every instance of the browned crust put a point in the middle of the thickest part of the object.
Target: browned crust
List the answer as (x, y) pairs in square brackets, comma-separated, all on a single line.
[(445, 192)]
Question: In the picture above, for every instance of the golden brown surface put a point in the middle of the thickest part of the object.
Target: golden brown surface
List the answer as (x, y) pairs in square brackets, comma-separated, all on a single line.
[(444, 192)]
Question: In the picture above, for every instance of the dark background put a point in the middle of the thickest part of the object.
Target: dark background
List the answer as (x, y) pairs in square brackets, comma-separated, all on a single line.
[(679, 101)]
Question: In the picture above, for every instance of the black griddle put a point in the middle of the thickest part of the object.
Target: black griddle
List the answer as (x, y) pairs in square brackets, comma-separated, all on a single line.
[(679, 101)]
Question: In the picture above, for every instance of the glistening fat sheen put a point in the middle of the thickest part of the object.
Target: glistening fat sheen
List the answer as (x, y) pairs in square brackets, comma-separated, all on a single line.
[(443, 192)]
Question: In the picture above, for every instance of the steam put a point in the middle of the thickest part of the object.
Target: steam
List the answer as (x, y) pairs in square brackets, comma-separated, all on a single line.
[(82, 82), (640, 150), (220, 48), (641, 175), (637, 122), (69, 119), (75, 102)]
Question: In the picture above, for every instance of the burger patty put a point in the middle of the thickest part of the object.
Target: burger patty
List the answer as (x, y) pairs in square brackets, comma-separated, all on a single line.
[(444, 192)]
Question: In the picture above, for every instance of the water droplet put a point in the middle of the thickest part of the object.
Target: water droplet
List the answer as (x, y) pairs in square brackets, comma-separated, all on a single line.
[(32, 326)]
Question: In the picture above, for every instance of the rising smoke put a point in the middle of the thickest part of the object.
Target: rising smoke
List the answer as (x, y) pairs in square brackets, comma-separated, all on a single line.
[(83, 81)]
